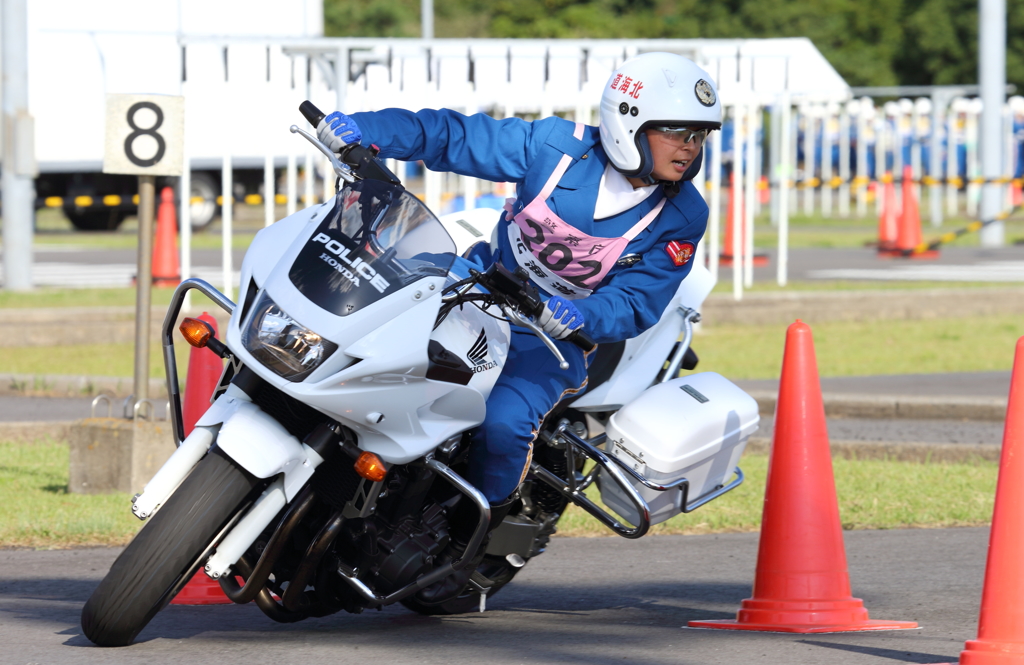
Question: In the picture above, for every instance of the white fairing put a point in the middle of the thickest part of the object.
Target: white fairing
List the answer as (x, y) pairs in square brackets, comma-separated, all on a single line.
[(645, 355), (381, 363), (694, 427)]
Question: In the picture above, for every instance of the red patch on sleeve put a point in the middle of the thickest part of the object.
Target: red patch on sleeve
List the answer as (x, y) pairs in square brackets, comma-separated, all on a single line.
[(680, 252)]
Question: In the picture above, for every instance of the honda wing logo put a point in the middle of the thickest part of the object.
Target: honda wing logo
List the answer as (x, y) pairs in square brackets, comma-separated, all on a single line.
[(477, 354)]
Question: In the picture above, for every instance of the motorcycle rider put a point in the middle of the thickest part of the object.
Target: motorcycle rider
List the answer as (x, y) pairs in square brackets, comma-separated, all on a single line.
[(605, 220)]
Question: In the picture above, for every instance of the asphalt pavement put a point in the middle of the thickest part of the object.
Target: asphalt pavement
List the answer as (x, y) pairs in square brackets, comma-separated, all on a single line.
[(593, 601)]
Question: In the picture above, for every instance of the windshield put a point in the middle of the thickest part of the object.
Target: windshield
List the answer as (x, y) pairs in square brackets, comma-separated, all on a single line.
[(376, 239)]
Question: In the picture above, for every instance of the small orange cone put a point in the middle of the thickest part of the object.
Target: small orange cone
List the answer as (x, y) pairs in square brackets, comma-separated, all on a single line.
[(166, 270), (764, 191), (204, 370), (1001, 625), (909, 235), (802, 584), (1016, 196), (888, 219)]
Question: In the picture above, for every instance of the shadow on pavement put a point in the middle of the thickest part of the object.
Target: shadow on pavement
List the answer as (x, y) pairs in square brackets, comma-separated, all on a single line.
[(895, 654)]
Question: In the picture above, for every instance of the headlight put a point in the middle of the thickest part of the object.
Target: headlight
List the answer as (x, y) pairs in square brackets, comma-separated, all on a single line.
[(285, 346)]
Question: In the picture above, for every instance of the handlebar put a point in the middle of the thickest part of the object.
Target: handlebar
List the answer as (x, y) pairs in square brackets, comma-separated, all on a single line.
[(362, 160), (516, 287)]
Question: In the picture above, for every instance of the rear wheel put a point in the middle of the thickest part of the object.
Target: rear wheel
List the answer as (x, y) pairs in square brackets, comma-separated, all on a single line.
[(167, 552)]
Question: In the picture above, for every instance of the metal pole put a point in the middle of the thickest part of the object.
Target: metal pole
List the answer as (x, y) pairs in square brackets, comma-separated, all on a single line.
[(715, 218), (750, 194), (844, 160), (809, 160), (18, 158), (737, 203), (826, 161), (268, 190), (185, 204), (952, 161), (427, 18), (143, 284), (774, 150), (226, 211), (881, 164), (935, 156), (992, 77), (862, 156), (785, 159)]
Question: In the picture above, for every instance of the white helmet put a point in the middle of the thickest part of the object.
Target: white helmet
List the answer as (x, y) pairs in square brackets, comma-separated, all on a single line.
[(654, 90)]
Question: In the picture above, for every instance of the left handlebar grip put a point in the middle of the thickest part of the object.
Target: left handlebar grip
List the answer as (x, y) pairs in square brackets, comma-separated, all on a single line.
[(581, 339), (311, 113)]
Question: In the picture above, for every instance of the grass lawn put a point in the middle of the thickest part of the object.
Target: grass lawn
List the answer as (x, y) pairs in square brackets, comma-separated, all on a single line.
[(36, 510), (735, 351), (866, 348), (90, 360)]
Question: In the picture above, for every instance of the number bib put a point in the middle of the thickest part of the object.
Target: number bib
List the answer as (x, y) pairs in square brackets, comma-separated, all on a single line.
[(560, 258)]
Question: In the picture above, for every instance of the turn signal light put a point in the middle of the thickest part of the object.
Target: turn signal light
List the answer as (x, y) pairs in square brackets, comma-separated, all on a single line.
[(370, 467), (196, 332)]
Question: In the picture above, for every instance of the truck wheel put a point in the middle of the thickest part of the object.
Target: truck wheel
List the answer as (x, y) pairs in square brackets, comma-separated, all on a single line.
[(207, 188), (106, 219), (167, 551)]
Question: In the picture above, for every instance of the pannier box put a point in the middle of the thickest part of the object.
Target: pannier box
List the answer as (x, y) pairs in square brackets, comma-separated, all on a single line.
[(694, 427)]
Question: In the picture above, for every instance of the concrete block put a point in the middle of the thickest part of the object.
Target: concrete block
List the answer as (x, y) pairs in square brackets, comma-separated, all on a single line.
[(116, 455)]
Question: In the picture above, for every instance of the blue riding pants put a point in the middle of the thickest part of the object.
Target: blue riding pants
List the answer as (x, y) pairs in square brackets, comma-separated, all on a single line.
[(530, 386)]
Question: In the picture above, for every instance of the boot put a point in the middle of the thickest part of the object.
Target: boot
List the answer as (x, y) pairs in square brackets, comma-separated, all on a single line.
[(463, 524)]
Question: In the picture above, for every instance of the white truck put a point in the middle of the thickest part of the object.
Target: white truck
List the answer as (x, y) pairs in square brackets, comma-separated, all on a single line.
[(81, 51)]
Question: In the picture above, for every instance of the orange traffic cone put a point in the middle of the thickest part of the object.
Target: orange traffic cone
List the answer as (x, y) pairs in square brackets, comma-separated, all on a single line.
[(166, 270), (1001, 625), (802, 584), (887, 220), (1016, 195), (909, 235), (764, 191), (204, 370)]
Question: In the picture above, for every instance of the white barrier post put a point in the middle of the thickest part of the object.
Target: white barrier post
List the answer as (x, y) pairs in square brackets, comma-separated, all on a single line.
[(737, 203), (973, 162), (185, 217), (953, 157), (750, 194), (715, 216), (268, 190), (292, 183), (938, 124), (915, 143), (773, 161), (826, 161), (844, 160), (862, 156), (881, 134), (1008, 150), (785, 159), (227, 187), (809, 160)]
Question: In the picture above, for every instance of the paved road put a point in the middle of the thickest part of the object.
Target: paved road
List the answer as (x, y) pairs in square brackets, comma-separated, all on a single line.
[(594, 601), (70, 266)]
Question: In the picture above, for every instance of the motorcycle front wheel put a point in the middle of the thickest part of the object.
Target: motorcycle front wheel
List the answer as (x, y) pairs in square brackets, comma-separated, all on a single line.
[(167, 551)]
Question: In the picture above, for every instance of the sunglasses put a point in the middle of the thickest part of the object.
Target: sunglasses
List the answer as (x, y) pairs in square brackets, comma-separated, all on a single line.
[(683, 135)]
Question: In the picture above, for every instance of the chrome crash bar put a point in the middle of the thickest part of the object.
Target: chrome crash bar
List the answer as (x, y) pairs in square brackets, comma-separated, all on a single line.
[(351, 575), (573, 489), (167, 338)]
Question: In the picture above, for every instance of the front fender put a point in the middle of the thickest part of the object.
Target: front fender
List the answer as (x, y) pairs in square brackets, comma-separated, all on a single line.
[(264, 448)]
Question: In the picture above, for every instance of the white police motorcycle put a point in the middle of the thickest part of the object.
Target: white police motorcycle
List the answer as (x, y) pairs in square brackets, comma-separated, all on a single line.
[(325, 474)]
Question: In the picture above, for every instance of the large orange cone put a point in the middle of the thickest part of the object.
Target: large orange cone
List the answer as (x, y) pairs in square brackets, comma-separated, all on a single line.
[(802, 584), (204, 370), (1001, 626), (909, 235), (888, 219), (166, 270)]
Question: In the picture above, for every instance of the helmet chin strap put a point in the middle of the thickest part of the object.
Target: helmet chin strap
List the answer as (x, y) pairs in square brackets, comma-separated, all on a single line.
[(672, 186)]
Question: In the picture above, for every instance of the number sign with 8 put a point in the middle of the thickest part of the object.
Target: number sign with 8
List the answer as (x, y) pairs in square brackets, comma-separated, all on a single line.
[(144, 135)]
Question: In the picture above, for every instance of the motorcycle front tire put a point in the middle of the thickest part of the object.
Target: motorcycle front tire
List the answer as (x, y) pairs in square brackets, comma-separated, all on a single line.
[(166, 553)]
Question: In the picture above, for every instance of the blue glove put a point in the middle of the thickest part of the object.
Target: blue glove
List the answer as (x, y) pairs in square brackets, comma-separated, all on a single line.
[(337, 131), (560, 318)]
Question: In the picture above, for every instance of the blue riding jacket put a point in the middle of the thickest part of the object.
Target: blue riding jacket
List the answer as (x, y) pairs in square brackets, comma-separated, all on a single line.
[(631, 298)]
